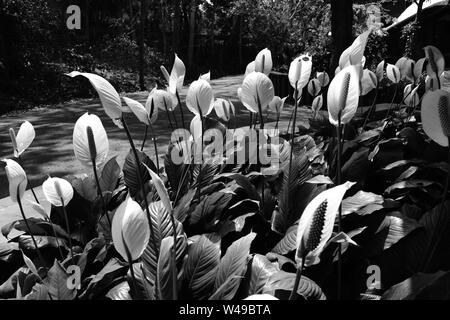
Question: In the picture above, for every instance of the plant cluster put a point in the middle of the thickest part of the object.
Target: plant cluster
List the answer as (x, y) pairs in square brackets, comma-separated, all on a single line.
[(354, 192)]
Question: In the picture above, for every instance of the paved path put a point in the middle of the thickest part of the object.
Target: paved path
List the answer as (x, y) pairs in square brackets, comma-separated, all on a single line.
[(51, 152)]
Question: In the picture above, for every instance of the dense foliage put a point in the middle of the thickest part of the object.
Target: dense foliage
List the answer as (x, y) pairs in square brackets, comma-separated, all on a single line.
[(212, 229)]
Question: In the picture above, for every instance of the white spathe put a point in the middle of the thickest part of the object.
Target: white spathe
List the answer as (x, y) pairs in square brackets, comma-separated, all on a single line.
[(17, 179), (200, 98), (130, 231), (343, 95), (81, 143), (57, 191), (257, 87)]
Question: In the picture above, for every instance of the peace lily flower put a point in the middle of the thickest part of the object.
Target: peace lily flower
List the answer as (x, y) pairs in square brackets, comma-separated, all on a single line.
[(57, 191), (162, 99), (250, 68), (317, 105), (263, 62), (343, 95), (206, 76), (257, 90), (277, 104), (419, 67), (380, 70), (316, 224), (145, 115), (369, 82), (431, 84), (300, 71), (435, 113), (90, 140), (24, 138), (436, 61), (176, 77), (17, 179), (224, 109), (393, 73), (200, 97), (411, 96), (130, 231), (314, 87), (109, 97), (354, 55), (406, 67), (324, 78)]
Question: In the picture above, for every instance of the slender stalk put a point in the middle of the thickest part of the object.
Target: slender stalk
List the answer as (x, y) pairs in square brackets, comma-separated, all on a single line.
[(174, 118), (339, 181), (181, 109), (393, 99), (251, 120), (298, 277), (174, 257), (133, 277), (293, 128), (19, 201), (68, 228), (57, 242), (201, 163), (261, 127), (31, 188), (141, 183), (145, 138), (371, 109), (156, 147), (100, 193)]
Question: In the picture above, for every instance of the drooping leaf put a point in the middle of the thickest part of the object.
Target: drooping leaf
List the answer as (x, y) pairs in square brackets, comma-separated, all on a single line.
[(360, 200), (201, 266), (119, 292), (289, 242), (110, 175), (234, 262), (56, 281), (130, 174), (282, 280), (261, 271)]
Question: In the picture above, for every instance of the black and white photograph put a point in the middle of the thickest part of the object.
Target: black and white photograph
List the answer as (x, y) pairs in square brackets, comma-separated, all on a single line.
[(224, 155)]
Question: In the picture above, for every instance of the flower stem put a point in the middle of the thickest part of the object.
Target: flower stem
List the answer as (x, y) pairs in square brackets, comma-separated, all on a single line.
[(339, 181), (19, 201), (156, 147), (371, 109), (68, 228), (31, 188), (293, 128), (298, 277), (99, 192), (145, 138), (393, 99), (141, 183), (181, 109), (174, 256)]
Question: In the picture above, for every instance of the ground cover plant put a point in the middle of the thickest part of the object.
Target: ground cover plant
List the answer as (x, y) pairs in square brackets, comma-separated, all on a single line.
[(352, 207)]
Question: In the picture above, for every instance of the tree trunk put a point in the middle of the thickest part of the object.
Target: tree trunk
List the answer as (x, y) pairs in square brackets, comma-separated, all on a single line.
[(341, 29), (193, 11), (176, 26), (141, 43), (417, 36)]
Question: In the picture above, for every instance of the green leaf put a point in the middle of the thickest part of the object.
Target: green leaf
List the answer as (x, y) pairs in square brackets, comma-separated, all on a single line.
[(359, 201), (30, 264), (110, 175), (289, 242), (410, 288), (261, 270), (228, 289), (165, 270), (39, 292), (119, 292), (201, 266), (293, 184), (282, 280), (56, 281), (162, 228), (403, 186), (130, 174), (234, 262)]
